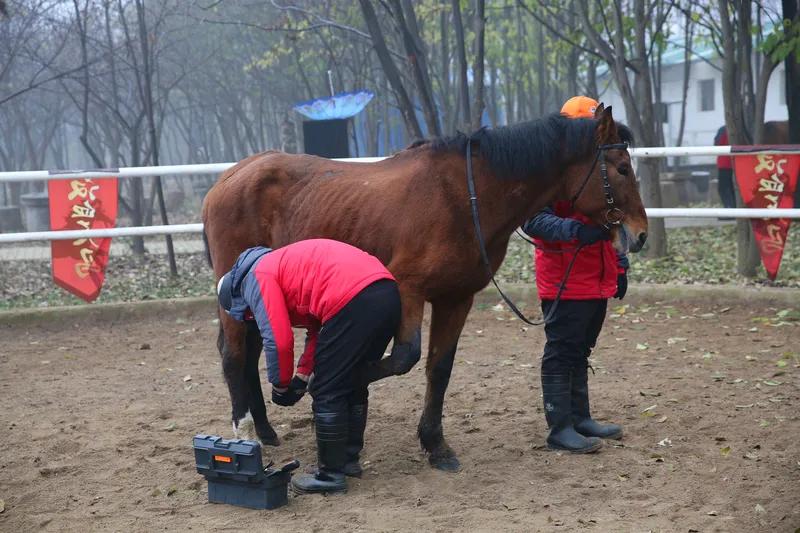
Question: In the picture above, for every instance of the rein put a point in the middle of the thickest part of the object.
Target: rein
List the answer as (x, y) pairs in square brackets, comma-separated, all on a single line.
[(610, 221)]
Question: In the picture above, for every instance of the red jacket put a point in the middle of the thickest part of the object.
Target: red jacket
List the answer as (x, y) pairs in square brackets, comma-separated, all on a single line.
[(594, 274), (723, 161), (300, 285)]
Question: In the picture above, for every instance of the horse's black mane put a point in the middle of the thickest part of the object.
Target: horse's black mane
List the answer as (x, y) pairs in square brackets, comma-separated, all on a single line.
[(514, 152)]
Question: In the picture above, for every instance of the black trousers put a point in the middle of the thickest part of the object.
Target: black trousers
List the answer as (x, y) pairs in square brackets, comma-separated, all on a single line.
[(571, 333), (727, 193), (356, 335)]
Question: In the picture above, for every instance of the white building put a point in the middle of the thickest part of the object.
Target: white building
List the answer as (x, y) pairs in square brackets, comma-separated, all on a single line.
[(704, 106)]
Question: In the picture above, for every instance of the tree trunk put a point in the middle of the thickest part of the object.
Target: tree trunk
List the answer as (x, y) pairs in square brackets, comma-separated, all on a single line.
[(478, 65), (688, 32), (407, 22), (461, 47), (447, 103), (151, 123), (791, 12), (390, 69)]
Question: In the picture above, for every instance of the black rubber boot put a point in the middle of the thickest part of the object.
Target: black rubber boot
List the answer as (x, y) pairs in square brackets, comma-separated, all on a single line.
[(581, 414), (331, 431), (558, 413), (357, 423)]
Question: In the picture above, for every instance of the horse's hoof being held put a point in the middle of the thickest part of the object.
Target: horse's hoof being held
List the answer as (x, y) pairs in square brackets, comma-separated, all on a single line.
[(567, 439)]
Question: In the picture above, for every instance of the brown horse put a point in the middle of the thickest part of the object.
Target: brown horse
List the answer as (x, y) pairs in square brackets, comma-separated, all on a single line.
[(412, 211)]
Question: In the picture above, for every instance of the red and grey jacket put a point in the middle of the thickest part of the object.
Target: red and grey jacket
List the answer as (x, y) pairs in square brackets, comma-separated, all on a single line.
[(300, 285), (594, 274)]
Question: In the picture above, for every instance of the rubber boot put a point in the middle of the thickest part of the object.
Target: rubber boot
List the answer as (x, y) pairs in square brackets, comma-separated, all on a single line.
[(331, 429), (581, 414), (357, 423), (558, 413)]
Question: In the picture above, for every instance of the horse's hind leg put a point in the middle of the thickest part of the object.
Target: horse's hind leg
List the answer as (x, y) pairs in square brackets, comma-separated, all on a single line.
[(258, 409), (447, 321)]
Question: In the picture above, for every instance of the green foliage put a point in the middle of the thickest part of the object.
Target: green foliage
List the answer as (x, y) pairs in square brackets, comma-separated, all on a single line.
[(782, 41)]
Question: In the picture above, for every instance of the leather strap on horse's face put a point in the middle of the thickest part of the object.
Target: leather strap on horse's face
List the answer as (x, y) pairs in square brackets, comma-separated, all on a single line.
[(613, 214)]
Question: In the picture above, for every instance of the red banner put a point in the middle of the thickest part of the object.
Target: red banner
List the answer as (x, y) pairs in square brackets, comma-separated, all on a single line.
[(768, 181), (79, 265)]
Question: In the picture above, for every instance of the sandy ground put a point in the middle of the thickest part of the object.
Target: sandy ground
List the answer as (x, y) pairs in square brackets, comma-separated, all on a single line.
[(96, 431)]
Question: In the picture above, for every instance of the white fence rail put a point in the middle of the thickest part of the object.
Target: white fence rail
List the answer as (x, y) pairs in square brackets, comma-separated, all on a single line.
[(652, 212), (217, 168)]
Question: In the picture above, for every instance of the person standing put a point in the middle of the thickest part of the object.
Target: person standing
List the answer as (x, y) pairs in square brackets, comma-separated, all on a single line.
[(727, 193), (598, 273), (350, 305)]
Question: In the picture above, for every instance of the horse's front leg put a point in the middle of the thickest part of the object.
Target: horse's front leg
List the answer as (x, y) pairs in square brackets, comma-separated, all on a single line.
[(407, 346), (240, 368), (447, 321), (258, 408)]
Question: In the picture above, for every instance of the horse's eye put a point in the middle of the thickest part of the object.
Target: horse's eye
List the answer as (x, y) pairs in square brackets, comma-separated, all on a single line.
[(623, 169)]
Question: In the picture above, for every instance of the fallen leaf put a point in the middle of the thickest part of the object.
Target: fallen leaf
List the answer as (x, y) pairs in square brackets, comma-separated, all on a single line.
[(781, 363), (187, 377), (771, 383), (640, 346), (662, 420), (170, 427), (763, 424), (726, 451)]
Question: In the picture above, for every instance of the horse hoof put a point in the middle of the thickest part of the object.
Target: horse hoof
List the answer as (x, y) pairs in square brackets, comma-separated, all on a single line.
[(445, 464), (272, 440)]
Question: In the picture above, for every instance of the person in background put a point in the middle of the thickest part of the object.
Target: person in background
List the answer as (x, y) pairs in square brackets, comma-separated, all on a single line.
[(727, 194), (598, 274), (350, 305)]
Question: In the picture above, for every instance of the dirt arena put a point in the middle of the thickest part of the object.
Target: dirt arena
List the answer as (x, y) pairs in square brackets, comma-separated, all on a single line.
[(98, 413)]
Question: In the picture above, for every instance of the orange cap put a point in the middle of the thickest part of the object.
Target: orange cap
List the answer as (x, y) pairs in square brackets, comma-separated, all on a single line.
[(580, 107)]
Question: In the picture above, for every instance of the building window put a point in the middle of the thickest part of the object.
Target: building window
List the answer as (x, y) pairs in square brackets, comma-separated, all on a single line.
[(707, 95)]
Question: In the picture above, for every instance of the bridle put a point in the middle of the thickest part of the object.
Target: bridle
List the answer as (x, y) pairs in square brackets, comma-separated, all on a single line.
[(613, 217)]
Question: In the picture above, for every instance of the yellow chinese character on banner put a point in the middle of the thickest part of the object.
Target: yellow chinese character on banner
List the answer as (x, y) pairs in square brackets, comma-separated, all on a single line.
[(767, 162), (85, 210), (86, 265), (81, 188), (80, 242), (773, 184), (773, 242)]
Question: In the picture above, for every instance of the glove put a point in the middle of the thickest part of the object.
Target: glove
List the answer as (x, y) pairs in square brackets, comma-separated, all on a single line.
[(590, 234), (291, 394), (622, 285)]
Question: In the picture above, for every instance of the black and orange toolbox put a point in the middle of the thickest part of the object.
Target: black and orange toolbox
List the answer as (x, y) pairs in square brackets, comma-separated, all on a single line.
[(236, 474)]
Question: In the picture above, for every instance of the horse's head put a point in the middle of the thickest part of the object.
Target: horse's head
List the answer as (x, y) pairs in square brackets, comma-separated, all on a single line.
[(602, 185)]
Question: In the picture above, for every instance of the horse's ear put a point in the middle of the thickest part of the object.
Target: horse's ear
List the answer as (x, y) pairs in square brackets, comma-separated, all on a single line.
[(599, 110), (607, 128)]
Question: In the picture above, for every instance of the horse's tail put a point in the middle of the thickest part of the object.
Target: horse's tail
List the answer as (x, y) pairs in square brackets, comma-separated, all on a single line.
[(208, 250)]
